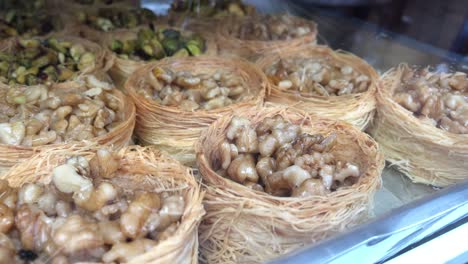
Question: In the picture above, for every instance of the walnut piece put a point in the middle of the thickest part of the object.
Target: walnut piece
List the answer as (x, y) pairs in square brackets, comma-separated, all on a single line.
[(439, 99), (281, 160)]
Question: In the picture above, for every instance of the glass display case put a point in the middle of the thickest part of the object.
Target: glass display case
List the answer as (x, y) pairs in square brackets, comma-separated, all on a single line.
[(406, 215), (165, 69)]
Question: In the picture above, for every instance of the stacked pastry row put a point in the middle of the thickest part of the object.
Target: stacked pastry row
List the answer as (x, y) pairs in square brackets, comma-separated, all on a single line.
[(72, 190), (271, 120)]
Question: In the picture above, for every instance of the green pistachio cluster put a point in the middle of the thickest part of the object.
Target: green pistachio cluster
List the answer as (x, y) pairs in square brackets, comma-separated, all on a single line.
[(157, 44), (209, 8), (109, 19), (34, 61), (26, 24)]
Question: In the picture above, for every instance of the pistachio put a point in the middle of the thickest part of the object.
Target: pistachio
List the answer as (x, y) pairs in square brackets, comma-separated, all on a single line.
[(171, 33), (23, 76), (32, 70), (33, 61), (54, 44), (30, 53), (86, 61), (76, 51), (51, 73), (29, 43), (31, 80), (26, 23), (116, 45), (181, 53), (41, 61), (129, 46), (193, 49), (65, 74), (104, 24), (146, 34), (170, 46), (158, 49), (197, 40), (6, 57), (108, 19), (21, 79), (158, 44), (61, 58), (4, 66), (20, 70), (147, 49)]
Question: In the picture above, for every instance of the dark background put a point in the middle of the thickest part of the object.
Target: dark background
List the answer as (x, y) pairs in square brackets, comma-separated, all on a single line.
[(443, 24), (383, 32)]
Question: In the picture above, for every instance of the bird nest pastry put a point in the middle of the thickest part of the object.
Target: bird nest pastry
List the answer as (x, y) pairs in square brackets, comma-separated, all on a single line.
[(422, 124), (319, 80), (252, 36), (278, 179), (131, 206), (178, 98), (70, 115)]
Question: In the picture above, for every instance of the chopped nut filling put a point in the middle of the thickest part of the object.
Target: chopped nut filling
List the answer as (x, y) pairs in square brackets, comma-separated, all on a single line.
[(82, 216), (192, 92), (440, 99), (271, 27), (40, 115), (276, 157), (317, 76)]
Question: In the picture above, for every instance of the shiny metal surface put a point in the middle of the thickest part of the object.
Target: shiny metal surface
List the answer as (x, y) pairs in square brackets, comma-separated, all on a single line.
[(381, 238)]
